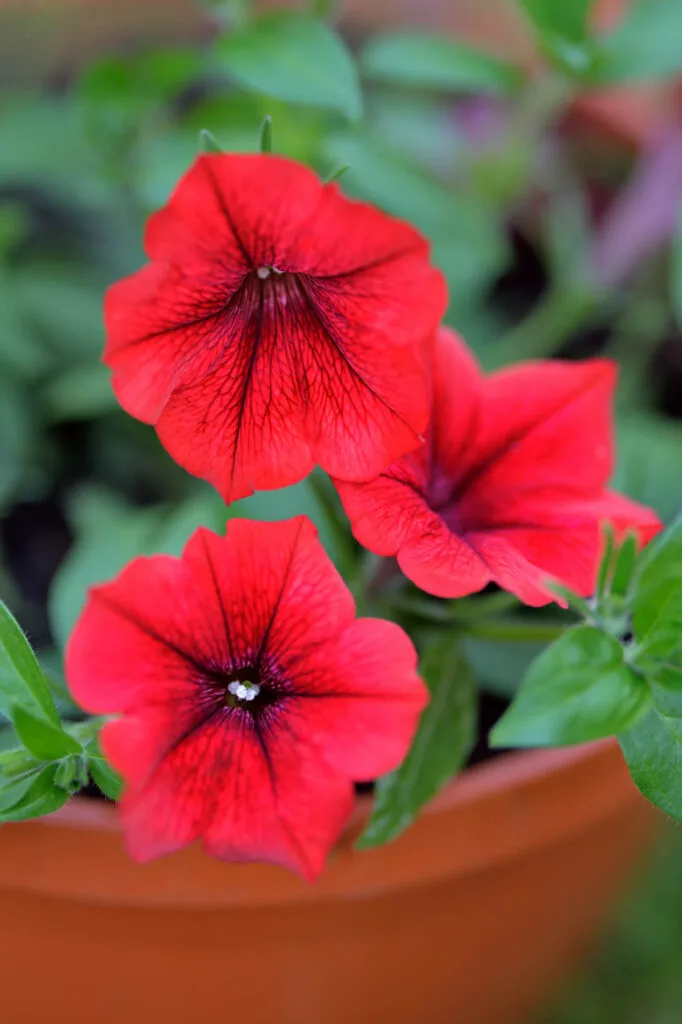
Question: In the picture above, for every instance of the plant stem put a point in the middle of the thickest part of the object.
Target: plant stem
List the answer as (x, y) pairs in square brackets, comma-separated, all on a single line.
[(470, 608), (550, 323), (385, 572), (514, 630), (541, 103)]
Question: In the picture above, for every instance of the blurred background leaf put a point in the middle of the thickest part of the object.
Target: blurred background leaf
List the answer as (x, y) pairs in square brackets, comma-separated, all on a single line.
[(293, 57), (645, 45), (432, 62)]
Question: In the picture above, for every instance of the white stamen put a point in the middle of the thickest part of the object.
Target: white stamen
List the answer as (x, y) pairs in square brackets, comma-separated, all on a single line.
[(243, 691), (263, 273)]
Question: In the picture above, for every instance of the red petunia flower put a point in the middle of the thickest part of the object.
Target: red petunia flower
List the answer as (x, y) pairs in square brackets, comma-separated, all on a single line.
[(279, 325), (510, 487), (250, 695)]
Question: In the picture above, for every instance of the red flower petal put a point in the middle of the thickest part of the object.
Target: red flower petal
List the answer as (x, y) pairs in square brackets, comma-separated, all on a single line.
[(543, 426), (290, 809), (551, 415), (280, 325), (246, 799), (444, 564), (271, 580), (388, 510), (511, 486), (250, 696), (371, 696), (148, 629)]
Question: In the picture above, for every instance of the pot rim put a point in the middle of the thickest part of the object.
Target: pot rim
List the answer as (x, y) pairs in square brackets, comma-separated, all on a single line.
[(497, 774), (496, 812)]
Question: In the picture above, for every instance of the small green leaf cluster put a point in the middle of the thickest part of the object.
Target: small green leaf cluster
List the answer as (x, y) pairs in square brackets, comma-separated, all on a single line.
[(46, 761), (618, 672)]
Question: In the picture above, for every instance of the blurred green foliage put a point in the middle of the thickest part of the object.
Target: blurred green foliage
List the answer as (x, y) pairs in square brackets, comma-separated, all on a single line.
[(635, 975)]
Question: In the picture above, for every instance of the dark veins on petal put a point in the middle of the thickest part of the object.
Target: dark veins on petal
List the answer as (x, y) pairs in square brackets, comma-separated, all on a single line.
[(277, 336), (250, 685), (445, 491)]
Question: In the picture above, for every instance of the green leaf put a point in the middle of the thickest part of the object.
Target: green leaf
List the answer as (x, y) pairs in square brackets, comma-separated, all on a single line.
[(321, 8), (105, 778), (646, 44), (43, 142), (657, 615), (579, 689), (335, 174), (266, 135), (62, 303), (13, 787), (624, 566), (434, 62), (23, 352), (605, 565), (411, 123), (656, 603), (661, 555), (676, 273), (566, 18), (15, 223), (133, 83), (40, 739), (664, 677), (293, 57), (81, 393), (653, 751), (445, 736), (42, 797), (562, 27), (26, 679), (208, 142), (18, 438)]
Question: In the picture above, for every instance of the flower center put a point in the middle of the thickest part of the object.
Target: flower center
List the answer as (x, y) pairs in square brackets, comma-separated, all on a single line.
[(242, 690), (264, 272), (441, 497)]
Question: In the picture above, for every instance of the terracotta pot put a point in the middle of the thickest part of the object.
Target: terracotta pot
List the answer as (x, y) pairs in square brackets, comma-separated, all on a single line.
[(471, 916)]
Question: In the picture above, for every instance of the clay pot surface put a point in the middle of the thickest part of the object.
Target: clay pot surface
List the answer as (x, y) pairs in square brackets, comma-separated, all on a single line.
[(472, 916)]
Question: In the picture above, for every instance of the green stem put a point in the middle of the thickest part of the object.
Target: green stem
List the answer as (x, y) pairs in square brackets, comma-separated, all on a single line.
[(383, 574), (641, 323), (502, 174), (541, 103), (468, 608), (456, 612), (552, 321), (514, 630)]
